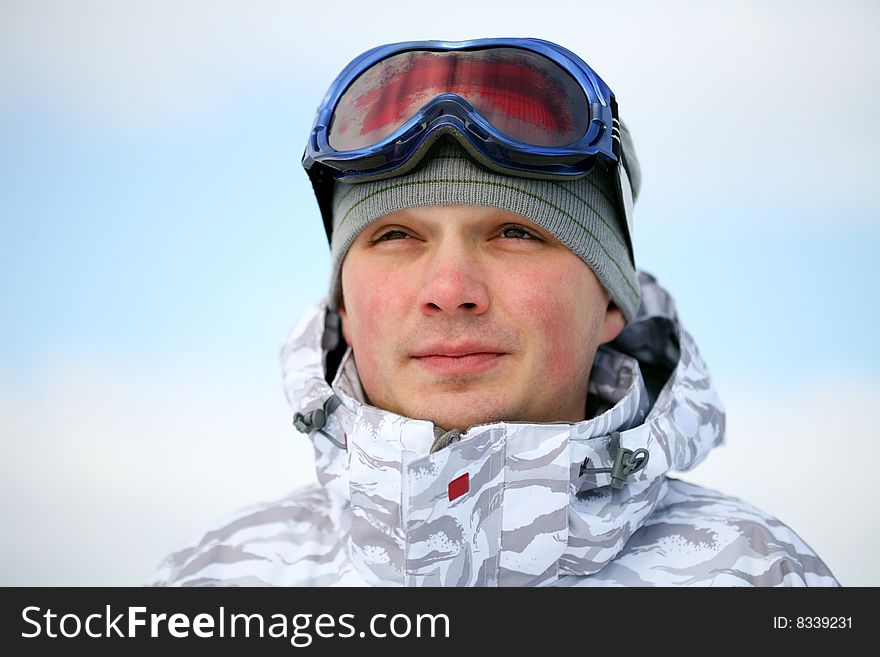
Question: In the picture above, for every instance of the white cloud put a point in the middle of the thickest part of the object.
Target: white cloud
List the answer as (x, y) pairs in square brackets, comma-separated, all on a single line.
[(104, 470)]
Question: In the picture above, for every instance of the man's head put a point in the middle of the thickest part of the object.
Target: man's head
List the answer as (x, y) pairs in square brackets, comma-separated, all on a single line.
[(466, 314), (467, 296), (479, 223)]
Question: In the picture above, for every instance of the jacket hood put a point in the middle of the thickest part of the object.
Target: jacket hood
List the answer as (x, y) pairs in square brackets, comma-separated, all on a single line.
[(505, 503)]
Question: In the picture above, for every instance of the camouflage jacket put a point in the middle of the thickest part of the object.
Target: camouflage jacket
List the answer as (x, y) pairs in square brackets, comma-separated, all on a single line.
[(508, 504)]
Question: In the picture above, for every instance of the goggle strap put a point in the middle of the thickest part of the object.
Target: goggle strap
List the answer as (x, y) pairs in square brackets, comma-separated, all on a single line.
[(616, 140), (322, 184), (624, 187), (626, 197)]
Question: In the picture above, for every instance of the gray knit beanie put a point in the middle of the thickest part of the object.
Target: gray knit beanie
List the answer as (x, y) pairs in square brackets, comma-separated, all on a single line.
[(582, 214)]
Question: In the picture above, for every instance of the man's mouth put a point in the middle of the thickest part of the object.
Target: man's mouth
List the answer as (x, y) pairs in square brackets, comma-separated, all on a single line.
[(449, 359)]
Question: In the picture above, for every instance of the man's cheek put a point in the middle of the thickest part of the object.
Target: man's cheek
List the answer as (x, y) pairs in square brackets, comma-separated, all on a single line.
[(563, 350), (558, 329), (376, 325), (379, 318), (372, 294)]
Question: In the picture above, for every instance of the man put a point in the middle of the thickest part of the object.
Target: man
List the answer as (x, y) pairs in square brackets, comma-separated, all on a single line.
[(494, 394)]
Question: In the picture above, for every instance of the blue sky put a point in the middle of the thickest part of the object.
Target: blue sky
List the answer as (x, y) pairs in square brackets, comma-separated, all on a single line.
[(158, 236), (201, 236)]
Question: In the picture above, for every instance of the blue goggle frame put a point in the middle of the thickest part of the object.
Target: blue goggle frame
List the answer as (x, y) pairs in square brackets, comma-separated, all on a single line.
[(450, 114)]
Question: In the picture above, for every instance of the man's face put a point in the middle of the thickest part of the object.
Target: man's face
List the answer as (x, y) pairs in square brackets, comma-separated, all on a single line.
[(464, 315)]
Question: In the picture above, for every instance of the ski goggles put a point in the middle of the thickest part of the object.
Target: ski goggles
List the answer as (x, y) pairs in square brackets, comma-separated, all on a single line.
[(521, 107)]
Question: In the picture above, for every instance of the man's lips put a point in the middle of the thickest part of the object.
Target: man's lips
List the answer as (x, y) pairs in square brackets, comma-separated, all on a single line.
[(459, 359)]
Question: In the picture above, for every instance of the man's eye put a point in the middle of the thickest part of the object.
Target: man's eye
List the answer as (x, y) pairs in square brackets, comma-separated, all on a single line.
[(393, 234), (517, 232)]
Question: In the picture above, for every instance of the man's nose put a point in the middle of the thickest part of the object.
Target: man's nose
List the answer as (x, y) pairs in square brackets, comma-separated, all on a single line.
[(455, 282)]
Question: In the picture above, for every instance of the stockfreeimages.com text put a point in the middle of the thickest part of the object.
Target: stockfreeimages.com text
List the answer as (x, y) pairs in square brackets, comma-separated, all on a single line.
[(300, 629)]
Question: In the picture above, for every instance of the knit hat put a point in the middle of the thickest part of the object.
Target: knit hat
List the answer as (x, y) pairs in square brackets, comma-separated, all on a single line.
[(583, 214)]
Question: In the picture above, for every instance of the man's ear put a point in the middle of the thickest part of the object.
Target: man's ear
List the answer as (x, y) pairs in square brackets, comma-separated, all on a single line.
[(343, 315), (612, 324)]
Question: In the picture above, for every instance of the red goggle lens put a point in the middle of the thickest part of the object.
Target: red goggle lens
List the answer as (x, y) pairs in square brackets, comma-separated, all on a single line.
[(522, 94)]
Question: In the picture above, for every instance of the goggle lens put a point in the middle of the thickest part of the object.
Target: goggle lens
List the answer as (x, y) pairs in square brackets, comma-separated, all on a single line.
[(522, 94)]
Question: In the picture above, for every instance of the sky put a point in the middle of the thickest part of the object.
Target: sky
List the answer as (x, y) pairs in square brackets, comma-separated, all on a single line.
[(158, 239)]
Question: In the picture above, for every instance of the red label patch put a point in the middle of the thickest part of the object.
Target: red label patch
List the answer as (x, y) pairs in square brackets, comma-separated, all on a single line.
[(459, 486)]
